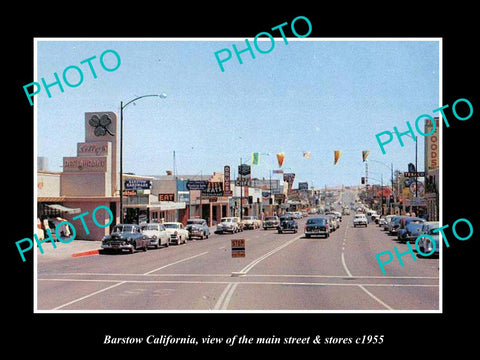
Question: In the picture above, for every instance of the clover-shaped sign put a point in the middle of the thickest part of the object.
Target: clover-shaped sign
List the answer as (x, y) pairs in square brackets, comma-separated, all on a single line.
[(100, 124)]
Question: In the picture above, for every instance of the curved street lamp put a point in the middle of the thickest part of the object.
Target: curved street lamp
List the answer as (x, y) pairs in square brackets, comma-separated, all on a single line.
[(123, 106)]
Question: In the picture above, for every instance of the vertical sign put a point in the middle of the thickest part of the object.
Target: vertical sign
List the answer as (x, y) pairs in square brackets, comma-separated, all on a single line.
[(432, 146), (226, 180)]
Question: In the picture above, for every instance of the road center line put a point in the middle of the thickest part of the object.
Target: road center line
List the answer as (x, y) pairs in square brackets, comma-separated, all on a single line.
[(176, 262), (350, 274)]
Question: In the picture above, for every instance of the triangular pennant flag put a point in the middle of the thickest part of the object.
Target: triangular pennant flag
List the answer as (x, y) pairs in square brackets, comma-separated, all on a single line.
[(336, 156), (365, 154), (280, 157)]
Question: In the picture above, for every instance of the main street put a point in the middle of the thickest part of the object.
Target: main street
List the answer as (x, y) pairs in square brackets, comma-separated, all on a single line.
[(279, 272)]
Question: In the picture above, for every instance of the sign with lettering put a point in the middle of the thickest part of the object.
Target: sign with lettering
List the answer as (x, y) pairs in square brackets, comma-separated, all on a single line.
[(85, 164), (238, 248), (213, 189), (99, 148), (136, 184), (197, 184), (166, 197)]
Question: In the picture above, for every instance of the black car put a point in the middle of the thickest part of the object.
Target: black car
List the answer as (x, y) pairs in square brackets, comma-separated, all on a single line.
[(317, 226), (126, 237), (287, 223)]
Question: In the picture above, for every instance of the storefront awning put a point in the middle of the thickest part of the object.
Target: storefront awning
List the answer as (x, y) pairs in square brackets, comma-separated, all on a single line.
[(64, 208)]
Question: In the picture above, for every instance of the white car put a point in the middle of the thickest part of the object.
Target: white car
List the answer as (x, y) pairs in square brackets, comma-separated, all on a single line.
[(228, 224), (156, 234), (360, 220), (177, 232)]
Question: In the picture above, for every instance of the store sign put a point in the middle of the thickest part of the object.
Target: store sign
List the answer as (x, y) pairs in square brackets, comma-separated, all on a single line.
[(135, 184), (226, 181), (303, 186), (197, 184), (99, 148), (432, 146), (214, 188), (166, 197), (85, 164)]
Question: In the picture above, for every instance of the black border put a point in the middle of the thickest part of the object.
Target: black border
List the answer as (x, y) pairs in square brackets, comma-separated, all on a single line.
[(82, 334)]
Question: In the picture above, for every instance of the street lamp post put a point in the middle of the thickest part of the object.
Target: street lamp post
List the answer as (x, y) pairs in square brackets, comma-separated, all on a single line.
[(123, 106)]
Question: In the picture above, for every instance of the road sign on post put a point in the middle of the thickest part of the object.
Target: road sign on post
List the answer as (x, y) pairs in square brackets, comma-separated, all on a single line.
[(238, 248)]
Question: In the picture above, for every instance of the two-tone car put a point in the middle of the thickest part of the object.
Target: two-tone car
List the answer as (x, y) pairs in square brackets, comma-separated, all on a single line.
[(197, 228), (125, 237)]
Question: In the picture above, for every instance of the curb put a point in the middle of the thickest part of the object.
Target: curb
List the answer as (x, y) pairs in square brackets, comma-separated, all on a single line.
[(86, 253)]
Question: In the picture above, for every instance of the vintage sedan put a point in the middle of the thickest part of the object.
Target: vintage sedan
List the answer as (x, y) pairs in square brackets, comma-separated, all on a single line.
[(228, 224), (425, 243), (197, 228), (177, 232), (317, 226), (125, 237), (251, 222), (270, 222), (409, 228), (156, 234), (287, 223), (360, 220)]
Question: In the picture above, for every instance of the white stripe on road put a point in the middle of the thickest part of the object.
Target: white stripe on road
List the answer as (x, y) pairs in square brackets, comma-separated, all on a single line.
[(350, 274), (225, 297), (87, 296), (176, 262)]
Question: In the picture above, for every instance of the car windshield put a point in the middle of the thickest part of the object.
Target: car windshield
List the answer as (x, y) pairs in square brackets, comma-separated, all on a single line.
[(317, 221), (248, 218), (270, 218), (359, 216), (227, 220), (123, 228), (150, 227), (194, 221), (172, 226)]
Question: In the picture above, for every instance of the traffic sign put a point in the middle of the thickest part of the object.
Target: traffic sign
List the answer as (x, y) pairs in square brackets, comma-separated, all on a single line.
[(238, 248)]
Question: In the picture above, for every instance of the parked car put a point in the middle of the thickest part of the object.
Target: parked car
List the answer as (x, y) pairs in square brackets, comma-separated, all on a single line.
[(156, 234), (386, 222), (425, 243), (197, 228), (335, 223), (287, 223), (125, 237), (240, 223), (270, 222), (360, 220), (317, 226), (177, 232), (228, 224), (409, 228), (252, 222), (394, 224)]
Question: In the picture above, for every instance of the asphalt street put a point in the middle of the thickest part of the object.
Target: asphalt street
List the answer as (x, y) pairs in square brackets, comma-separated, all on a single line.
[(280, 272)]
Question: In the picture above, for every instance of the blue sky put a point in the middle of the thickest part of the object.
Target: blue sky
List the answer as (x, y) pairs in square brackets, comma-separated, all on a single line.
[(316, 95)]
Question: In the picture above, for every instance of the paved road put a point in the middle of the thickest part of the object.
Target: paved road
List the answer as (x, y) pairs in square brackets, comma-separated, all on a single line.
[(280, 272)]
